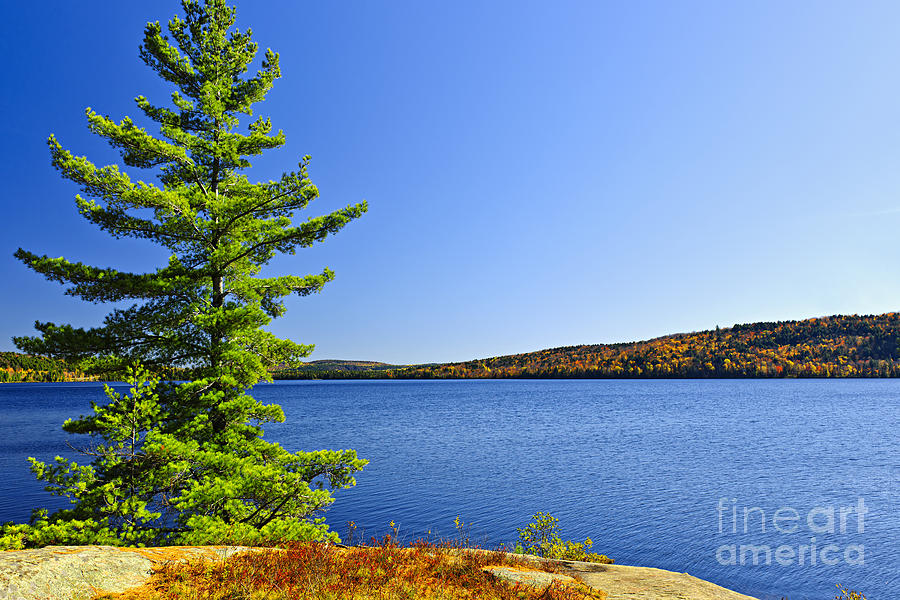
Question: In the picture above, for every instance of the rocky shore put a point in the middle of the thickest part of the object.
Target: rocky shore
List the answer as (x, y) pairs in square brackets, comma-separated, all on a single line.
[(80, 572)]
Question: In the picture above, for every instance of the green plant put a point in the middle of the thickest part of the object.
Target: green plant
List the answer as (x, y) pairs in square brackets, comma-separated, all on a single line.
[(463, 532), (542, 538), (844, 594), (199, 471)]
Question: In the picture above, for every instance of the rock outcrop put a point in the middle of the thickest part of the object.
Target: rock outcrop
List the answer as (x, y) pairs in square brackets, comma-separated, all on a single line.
[(79, 572), (622, 582)]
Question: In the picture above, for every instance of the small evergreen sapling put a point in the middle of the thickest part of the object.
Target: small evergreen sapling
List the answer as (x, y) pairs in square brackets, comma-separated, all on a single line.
[(542, 538)]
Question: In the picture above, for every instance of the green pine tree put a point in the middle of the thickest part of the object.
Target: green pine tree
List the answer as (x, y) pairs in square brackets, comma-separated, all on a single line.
[(187, 463)]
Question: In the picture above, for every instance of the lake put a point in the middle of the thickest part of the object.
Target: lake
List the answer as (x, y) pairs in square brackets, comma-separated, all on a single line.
[(657, 473)]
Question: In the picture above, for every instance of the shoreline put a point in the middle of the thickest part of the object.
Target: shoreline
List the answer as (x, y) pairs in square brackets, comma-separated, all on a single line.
[(69, 572)]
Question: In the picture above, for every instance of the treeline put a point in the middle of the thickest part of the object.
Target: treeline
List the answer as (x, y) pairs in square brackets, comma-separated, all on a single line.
[(18, 368), (15, 367), (838, 346)]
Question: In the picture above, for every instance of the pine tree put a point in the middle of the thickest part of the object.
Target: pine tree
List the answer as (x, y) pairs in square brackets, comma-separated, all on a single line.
[(199, 470)]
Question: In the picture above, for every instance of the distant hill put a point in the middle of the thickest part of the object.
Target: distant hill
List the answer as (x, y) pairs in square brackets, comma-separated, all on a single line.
[(837, 346), (348, 364), (332, 369)]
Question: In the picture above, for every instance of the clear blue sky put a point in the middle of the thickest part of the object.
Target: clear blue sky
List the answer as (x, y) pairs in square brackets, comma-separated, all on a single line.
[(539, 174)]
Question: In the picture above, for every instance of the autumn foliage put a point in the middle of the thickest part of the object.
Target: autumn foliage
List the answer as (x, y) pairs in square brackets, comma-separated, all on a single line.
[(321, 571), (838, 346)]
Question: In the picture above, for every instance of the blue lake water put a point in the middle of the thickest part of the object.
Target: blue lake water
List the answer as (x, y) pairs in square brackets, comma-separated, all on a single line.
[(658, 473)]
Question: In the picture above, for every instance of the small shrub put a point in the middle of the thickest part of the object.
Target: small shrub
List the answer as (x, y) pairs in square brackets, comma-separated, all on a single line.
[(463, 532), (541, 538), (844, 594)]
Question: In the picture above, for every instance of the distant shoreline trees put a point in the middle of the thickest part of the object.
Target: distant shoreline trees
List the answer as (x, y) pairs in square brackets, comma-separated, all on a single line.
[(828, 347), (837, 346)]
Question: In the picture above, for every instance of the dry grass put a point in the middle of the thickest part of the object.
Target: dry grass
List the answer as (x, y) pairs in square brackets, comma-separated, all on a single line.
[(324, 572)]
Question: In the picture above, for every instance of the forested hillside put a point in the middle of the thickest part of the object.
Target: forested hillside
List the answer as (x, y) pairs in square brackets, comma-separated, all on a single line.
[(839, 346)]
